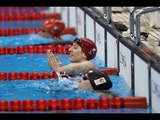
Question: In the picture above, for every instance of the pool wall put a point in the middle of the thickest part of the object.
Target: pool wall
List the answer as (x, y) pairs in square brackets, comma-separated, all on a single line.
[(140, 71)]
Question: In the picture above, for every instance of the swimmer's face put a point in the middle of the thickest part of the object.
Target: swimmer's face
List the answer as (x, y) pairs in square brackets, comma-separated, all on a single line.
[(85, 85), (76, 53), (45, 34)]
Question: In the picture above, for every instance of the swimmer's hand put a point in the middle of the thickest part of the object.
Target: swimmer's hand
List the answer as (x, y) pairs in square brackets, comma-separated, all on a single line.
[(53, 61)]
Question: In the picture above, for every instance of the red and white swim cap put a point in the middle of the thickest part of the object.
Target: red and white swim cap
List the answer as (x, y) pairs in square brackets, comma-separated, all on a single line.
[(54, 27), (88, 47)]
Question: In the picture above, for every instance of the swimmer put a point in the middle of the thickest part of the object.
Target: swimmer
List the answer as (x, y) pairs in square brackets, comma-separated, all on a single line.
[(98, 81), (54, 28), (81, 52)]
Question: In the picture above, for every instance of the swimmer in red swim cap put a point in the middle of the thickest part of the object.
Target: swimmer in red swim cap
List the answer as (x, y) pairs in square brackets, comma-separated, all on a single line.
[(54, 28), (81, 52)]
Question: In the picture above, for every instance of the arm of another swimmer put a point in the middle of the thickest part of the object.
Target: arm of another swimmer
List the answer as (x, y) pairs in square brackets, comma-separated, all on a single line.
[(77, 68)]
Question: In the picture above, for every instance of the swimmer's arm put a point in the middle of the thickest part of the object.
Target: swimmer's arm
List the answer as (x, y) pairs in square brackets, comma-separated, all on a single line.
[(77, 68)]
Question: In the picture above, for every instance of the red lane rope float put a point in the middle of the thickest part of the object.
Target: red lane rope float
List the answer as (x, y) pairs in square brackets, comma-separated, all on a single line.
[(28, 16), (78, 104), (20, 31), (136, 102), (16, 31), (39, 76), (59, 49), (28, 105), (53, 104), (15, 105), (73, 104), (27, 76), (4, 105), (104, 103), (110, 71)]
